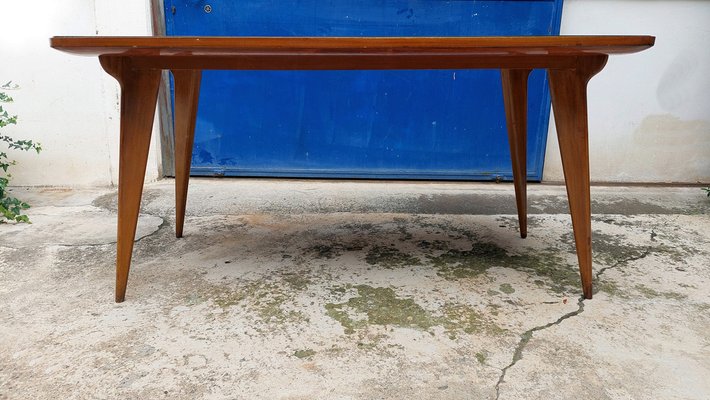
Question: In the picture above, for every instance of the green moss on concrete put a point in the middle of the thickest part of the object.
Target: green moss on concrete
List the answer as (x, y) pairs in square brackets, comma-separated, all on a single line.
[(340, 289), (305, 353), (561, 276), (451, 230), (194, 299), (610, 288), (507, 288), (297, 281), (622, 221), (331, 250), (381, 306), (493, 309), (651, 293), (612, 248), (440, 245), (556, 273), (228, 297), (458, 264), (371, 342), (367, 345), (481, 357), (269, 301), (677, 252), (338, 313), (323, 251), (405, 234), (390, 257), (464, 318), (512, 222)]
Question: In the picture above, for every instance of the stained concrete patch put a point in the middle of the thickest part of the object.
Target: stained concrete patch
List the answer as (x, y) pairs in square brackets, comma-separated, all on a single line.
[(390, 257), (312, 300)]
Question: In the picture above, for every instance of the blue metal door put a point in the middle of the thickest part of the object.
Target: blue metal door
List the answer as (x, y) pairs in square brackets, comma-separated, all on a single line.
[(362, 124)]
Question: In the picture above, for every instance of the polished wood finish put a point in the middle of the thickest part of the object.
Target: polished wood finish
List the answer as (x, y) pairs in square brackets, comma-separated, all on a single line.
[(515, 98), (343, 53), (352, 46), (187, 93), (569, 101), (139, 92), (137, 62), (278, 61)]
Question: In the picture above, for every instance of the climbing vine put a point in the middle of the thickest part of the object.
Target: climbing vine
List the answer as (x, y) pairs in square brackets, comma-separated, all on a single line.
[(11, 208)]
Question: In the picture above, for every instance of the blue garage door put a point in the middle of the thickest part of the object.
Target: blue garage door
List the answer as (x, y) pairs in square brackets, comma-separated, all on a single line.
[(362, 124)]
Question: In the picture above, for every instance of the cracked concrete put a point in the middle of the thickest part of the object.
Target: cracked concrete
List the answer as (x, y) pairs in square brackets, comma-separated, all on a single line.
[(357, 290), (527, 335)]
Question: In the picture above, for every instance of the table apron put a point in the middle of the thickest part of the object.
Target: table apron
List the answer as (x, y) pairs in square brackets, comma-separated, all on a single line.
[(354, 62)]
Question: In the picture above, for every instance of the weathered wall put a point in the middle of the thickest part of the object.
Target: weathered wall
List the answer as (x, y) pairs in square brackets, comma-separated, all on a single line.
[(649, 120), (649, 112), (66, 102)]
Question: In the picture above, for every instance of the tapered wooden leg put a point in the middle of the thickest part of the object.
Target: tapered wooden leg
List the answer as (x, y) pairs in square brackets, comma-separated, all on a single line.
[(139, 92), (187, 92), (515, 97), (569, 100)]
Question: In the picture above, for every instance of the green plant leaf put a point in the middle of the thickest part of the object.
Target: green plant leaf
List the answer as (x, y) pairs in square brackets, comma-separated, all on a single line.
[(10, 207)]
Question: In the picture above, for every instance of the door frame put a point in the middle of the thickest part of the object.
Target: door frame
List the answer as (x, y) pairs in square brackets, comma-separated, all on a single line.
[(165, 109)]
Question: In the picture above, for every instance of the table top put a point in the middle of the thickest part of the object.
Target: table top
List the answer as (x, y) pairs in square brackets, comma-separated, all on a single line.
[(435, 46)]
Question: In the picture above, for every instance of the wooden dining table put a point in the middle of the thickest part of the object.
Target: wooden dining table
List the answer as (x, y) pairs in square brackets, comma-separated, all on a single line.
[(137, 64)]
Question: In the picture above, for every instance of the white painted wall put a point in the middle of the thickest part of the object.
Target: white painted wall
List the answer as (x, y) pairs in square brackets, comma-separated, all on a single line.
[(66, 102), (649, 113)]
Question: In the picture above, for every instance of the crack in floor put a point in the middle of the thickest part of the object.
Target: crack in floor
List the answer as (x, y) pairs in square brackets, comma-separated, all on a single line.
[(527, 335), (78, 244), (164, 223), (624, 261)]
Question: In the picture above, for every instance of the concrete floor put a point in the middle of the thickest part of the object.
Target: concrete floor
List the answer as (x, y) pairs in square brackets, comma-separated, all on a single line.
[(357, 290)]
